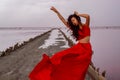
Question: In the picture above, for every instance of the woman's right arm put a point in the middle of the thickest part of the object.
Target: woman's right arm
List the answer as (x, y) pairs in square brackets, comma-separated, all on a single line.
[(85, 16), (60, 16)]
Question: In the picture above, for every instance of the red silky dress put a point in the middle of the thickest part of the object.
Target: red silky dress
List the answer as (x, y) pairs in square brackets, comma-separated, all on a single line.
[(68, 64)]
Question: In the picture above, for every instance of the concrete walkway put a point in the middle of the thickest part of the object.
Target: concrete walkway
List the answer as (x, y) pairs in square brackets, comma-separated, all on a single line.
[(20, 62)]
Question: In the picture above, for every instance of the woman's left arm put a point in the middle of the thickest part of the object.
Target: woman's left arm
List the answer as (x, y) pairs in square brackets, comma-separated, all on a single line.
[(85, 16)]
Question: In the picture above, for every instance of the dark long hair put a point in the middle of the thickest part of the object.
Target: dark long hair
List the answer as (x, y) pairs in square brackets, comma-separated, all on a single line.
[(73, 27)]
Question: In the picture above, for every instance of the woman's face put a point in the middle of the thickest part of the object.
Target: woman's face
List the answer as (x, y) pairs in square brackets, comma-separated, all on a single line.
[(74, 21)]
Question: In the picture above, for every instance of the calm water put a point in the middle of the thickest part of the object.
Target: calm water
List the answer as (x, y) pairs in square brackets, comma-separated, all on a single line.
[(11, 36), (106, 49), (105, 44)]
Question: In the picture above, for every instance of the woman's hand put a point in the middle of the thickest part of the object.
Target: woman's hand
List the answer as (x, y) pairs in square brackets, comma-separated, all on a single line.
[(60, 16), (76, 13), (85, 16), (54, 9)]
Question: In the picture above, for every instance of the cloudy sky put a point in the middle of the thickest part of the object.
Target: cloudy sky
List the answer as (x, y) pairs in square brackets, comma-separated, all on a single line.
[(37, 13)]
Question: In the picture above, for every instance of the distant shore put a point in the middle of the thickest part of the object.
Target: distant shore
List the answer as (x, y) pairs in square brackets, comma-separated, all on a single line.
[(37, 28)]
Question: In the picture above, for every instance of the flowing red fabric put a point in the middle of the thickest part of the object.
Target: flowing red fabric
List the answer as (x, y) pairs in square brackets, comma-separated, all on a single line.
[(68, 64)]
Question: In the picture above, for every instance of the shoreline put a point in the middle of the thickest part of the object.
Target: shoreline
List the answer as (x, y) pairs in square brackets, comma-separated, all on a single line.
[(10, 49)]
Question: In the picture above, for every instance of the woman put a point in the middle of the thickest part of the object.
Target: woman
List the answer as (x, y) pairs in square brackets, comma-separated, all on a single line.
[(71, 63)]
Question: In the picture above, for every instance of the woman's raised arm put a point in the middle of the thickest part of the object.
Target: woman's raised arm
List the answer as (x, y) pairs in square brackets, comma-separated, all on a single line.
[(60, 16), (85, 16)]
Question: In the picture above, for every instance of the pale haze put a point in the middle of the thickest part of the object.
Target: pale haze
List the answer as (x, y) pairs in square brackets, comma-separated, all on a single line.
[(37, 13)]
